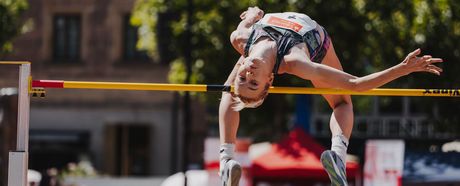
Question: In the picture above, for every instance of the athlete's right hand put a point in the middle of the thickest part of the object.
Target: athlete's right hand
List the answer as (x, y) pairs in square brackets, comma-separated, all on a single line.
[(253, 14)]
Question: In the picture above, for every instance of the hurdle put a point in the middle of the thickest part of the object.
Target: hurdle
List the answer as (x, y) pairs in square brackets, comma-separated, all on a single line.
[(18, 163)]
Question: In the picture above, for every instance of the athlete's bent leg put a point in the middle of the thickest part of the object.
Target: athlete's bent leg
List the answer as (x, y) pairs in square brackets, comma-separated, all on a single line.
[(228, 126), (230, 170), (342, 116), (341, 126)]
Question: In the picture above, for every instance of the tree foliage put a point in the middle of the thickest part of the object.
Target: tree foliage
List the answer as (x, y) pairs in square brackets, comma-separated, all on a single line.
[(10, 22), (368, 36), (393, 28)]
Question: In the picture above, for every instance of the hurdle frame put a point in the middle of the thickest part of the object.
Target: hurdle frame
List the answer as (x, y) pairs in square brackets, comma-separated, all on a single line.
[(18, 159)]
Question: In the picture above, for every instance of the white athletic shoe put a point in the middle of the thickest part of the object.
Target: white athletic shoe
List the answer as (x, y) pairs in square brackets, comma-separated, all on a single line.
[(334, 167), (230, 173)]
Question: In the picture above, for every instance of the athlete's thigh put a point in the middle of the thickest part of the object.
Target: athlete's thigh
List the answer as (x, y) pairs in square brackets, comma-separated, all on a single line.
[(333, 61)]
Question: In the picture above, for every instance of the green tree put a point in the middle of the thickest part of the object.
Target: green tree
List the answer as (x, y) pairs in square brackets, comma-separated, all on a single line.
[(11, 24), (394, 28), (367, 36)]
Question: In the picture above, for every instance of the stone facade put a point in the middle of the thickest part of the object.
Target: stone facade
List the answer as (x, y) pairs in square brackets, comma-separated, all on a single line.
[(93, 112)]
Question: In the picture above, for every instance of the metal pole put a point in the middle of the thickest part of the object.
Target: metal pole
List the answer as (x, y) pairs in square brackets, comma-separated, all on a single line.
[(188, 64), (23, 108), (18, 165), (174, 134)]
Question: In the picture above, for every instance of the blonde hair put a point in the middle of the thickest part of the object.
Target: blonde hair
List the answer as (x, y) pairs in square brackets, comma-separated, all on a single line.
[(240, 102)]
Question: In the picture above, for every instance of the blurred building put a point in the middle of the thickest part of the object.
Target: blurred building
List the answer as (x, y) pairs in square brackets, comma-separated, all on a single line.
[(386, 118), (125, 133)]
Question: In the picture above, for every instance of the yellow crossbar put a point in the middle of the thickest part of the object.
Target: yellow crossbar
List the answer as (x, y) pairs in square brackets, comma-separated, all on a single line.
[(134, 86), (373, 92), (218, 88)]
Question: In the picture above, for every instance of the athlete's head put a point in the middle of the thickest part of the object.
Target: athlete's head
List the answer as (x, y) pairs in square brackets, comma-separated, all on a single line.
[(254, 77)]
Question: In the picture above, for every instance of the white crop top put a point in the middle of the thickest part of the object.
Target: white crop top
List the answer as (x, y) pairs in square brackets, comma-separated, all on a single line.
[(297, 22)]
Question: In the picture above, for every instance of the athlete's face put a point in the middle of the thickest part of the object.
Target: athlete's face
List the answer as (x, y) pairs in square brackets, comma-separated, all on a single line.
[(252, 77)]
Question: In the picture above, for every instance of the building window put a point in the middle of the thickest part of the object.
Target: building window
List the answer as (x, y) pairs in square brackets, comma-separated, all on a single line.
[(66, 38), (57, 148), (127, 149), (130, 37)]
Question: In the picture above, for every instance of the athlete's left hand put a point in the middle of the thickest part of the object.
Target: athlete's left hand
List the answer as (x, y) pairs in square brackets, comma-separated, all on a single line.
[(412, 63)]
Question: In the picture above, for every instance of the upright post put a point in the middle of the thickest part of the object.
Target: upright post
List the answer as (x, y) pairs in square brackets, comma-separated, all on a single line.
[(188, 64), (18, 159)]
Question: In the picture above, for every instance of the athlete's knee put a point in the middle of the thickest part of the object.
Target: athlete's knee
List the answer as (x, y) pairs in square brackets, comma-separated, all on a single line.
[(343, 102)]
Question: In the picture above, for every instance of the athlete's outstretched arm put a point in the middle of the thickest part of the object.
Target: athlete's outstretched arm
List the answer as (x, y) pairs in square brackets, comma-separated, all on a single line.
[(239, 37), (340, 79), (229, 119)]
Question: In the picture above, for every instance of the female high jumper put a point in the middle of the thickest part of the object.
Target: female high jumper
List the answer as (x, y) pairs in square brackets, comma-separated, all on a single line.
[(293, 43)]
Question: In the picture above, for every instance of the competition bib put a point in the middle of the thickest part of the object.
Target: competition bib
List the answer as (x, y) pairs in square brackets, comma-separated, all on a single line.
[(296, 22)]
